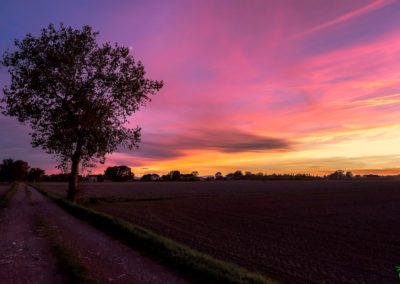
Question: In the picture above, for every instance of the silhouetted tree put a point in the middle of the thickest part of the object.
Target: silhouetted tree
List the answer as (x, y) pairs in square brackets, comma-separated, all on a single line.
[(175, 175), (237, 175), (339, 174), (35, 174), (119, 173), (218, 176), (6, 170), (349, 175), (189, 177), (150, 177), (260, 175), (11, 170), (166, 177), (76, 95)]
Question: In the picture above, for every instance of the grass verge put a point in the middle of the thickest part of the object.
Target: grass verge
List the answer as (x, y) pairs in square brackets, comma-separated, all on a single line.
[(195, 265), (67, 260), (5, 198)]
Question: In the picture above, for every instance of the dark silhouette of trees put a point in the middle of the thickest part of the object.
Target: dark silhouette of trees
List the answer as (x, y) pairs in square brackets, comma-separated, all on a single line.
[(76, 95), (35, 174), (219, 176), (175, 175), (339, 174), (11, 170), (150, 177), (119, 173), (189, 177), (6, 170), (59, 178), (237, 175)]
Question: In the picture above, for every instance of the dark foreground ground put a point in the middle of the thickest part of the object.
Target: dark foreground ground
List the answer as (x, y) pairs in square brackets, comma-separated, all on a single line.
[(293, 231), (27, 254)]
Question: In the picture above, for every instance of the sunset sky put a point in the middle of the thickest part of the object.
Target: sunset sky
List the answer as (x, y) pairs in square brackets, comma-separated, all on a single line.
[(287, 86)]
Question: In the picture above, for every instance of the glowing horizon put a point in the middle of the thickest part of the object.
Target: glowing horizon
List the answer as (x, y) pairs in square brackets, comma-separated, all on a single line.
[(261, 86)]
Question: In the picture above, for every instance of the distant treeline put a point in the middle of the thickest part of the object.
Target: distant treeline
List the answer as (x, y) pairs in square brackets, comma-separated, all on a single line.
[(123, 173), (19, 170)]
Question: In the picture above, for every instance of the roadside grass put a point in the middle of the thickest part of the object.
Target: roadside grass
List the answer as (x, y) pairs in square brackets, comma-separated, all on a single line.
[(5, 198), (68, 261), (197, 266)]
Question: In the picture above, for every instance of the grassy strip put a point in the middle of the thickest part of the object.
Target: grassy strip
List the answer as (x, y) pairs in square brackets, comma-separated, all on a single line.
[(8, 195), (67, 260), (194, 264)]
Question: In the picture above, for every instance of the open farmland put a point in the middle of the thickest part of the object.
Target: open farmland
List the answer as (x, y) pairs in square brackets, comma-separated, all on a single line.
[(294, 231)]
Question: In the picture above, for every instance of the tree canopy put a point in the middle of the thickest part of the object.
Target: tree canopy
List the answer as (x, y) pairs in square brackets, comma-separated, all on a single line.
[(11, 170), (119, 173), (76, 94)]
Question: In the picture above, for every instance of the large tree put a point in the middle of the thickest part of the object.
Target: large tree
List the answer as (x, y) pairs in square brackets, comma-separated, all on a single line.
[(76, 94)]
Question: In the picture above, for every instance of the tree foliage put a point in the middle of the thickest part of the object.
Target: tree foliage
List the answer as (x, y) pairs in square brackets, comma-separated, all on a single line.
[(76, 95), (35, 174), (175, 175), (119, 173), (11, 170)]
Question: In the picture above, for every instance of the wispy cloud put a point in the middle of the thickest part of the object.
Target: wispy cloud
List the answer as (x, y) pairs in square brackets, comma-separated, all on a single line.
[(372, 6)]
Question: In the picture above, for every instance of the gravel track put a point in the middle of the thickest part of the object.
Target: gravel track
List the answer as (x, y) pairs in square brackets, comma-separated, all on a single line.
[(25, 256)]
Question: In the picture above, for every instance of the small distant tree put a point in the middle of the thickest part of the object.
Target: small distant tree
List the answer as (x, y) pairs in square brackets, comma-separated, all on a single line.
[(218, 176), (35, 174), (119, 173), (11, 170), (175, 175), (6, 170), (259, 175), (150, 177), (238, 175), (349, 175), (339, 174), (76, 95)]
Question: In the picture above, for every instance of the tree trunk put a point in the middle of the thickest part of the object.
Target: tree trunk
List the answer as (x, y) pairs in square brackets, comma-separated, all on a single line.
[(73, 180)]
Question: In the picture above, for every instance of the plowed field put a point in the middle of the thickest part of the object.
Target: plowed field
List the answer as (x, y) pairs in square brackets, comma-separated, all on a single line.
[(293, 231)]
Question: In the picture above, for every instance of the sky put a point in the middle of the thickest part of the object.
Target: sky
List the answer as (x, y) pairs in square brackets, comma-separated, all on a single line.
[(288, 86)]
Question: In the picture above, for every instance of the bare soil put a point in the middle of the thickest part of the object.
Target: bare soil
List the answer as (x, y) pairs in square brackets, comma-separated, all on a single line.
[(27, 257), (293, 231)]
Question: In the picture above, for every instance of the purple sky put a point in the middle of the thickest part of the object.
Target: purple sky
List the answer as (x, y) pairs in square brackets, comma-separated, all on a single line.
[(286, 86)]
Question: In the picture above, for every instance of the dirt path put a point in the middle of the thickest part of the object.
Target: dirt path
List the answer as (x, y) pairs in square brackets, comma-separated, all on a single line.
[(25, 256), (107, 260)]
